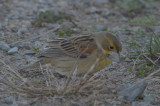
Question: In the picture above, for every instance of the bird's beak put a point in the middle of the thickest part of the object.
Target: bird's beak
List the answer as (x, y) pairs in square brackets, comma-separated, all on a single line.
[(114, 56), (119, 55)]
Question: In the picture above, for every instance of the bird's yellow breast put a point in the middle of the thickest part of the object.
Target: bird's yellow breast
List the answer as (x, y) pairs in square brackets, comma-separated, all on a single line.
[(103, 63)]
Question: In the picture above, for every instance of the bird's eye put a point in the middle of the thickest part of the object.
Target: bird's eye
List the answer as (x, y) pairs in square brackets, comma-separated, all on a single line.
[(111, 47)]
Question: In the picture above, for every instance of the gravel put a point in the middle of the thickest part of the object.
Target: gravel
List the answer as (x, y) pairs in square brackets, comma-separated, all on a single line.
[(13, 50), (4, 46), (131, 92), (29, 52)]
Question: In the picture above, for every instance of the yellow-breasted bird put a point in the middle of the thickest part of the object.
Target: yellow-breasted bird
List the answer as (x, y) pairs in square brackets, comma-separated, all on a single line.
[(85, 51)]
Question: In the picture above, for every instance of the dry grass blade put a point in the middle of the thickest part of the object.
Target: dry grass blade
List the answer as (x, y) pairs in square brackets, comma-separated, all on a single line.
[(156, 79), (157, 60), (70, 76), (74, 69), (12, 70), (57, 84), (12, 85), (134, 64), (91, 68), (22, 86), (150, 75), (85, 78), (149, 59)]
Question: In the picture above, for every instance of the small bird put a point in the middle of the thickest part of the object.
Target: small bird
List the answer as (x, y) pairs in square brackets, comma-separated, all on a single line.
[(86, 52)]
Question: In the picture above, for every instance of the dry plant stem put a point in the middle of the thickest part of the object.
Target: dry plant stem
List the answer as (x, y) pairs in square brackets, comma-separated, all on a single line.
[(36, 92), (12, 70), (155, 79), (43, 34), (12, 92), (85, 79), (95, 83), (70, 76), (50, 76), (73, 71), (3, 76), (57, 84), (157, 59), (149, 76), (149, 59), (91, 68), (12, 85), (25, 90), (135, 62), (49, 80)]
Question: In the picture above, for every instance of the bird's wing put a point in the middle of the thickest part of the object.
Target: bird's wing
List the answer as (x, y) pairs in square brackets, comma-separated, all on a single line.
[(85, 44), (81, 46)]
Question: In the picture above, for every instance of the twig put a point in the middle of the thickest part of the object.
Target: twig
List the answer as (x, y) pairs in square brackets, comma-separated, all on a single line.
[(73, 71), (12, 85), (91, 68), (149, 59), (134, 64), (156, 79), (69, 78), (85, 79), (57, 84), (157, 59), (11, 69)]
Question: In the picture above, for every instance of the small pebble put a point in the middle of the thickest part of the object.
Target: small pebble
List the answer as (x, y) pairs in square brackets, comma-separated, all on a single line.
[(133, 91), (21, 31), (75, 104), (37, 44), (29, 58), (102, 1), (8, 101), (62, 4), (23, 103), (13, 50), (92, 10), (29, 52), (25, 45), (16, 58), (15, 45), (4, 46), (100, 27)]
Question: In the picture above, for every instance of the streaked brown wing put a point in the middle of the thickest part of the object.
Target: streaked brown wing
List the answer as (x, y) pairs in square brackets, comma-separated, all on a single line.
[(68, 48), (80, 46), (84, 44)]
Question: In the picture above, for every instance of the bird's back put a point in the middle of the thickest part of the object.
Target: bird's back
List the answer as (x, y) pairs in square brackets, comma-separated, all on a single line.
[(81, 46)]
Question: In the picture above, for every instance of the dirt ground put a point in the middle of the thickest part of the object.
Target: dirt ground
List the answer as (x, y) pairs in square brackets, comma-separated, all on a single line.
[(27, 25)]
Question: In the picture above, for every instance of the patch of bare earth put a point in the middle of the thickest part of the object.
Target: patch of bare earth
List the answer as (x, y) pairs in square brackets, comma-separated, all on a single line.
[(22, 27)]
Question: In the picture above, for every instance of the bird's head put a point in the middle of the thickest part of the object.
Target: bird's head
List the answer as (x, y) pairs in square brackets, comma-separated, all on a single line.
[(109, 44)]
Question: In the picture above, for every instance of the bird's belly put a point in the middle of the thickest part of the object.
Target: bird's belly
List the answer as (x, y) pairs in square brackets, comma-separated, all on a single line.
[(65, 65)]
